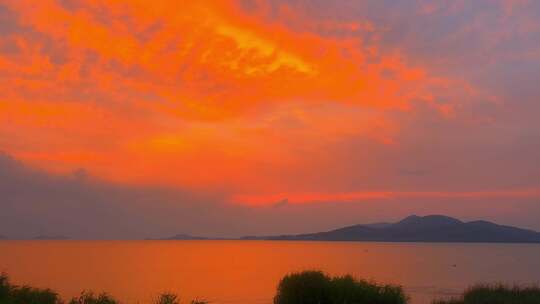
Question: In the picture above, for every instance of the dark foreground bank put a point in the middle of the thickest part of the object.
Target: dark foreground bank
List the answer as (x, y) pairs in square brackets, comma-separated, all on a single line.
[(307, 287), (13, 294), (497, 294)]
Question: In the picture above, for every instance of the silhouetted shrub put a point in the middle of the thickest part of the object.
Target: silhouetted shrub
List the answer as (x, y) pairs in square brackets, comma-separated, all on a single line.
[(11, 294), (88, 297), (167, 298), (315, 287), (5, 288), (308, 287), (496, 294)]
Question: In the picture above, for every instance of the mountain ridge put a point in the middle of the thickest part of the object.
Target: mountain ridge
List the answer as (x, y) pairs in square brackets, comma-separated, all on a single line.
[(430, 228), (46, 237), (183, 236)]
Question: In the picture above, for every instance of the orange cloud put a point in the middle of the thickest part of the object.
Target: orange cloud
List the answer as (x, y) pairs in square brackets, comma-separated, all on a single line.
[(205, 96), (212, 56)]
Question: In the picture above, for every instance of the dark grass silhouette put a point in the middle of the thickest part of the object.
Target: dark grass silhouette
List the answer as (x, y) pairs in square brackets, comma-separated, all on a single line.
[(168, 298), (88, 297), (12, 294), (497, 294), (171, 298), (315, 287), (307, 287)]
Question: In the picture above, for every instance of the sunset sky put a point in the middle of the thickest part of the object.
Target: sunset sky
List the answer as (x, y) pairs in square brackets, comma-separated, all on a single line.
[(129, 119)]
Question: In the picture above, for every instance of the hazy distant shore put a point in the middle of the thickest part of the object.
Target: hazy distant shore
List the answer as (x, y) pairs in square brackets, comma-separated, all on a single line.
[(412, 229)]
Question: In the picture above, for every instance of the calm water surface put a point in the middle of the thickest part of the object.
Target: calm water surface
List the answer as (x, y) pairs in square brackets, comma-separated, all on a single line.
[(248, 271)]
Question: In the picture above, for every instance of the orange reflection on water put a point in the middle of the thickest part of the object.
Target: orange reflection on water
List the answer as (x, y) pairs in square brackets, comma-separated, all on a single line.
[(248, 271)]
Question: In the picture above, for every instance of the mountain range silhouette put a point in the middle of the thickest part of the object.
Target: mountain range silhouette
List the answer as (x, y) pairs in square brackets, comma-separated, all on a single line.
[(431, 228)]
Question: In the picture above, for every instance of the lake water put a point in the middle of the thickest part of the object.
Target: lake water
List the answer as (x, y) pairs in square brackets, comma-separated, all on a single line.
[(248, 271)]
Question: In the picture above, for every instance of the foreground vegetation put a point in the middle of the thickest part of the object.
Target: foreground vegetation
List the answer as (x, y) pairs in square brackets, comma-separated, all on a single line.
[(497, 294), (315, 287), (308, 287), (12, 294)]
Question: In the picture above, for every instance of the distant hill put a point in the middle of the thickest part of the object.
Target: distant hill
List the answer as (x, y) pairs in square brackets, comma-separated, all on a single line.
[(184, 237), (50, 237), (432, 228)]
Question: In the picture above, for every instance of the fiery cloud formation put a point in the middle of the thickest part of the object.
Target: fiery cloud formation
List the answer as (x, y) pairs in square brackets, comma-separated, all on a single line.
[(205, 81), (270, 100)]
